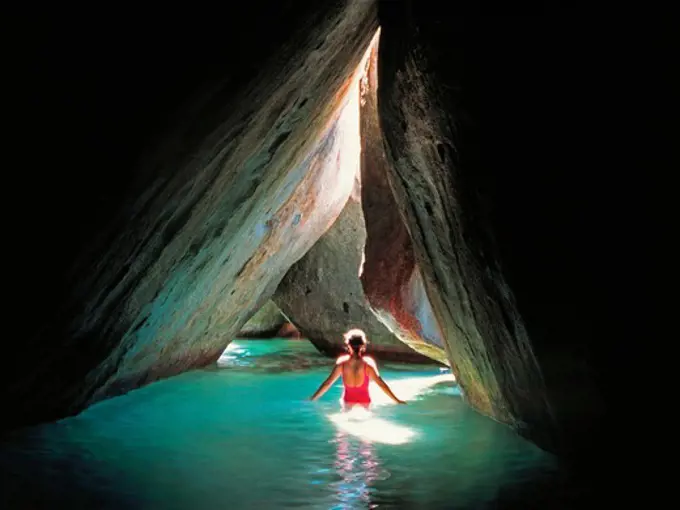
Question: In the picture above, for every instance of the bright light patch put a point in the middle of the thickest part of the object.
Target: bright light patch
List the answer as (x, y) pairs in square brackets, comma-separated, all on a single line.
[(231, 354), (233, 346), (361, 423), (406, 389)]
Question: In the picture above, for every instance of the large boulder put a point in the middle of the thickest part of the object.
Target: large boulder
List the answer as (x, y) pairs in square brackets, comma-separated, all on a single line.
[(431, 133), (504, 138), (322, 293), (155, 263), (265, 323), (389, 275)]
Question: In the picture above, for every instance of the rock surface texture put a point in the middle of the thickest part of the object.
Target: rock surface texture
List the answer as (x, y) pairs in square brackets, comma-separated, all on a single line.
[(505, 159), (241, 182), (322, 294), (265, 323), (389, 274), (477, 316)]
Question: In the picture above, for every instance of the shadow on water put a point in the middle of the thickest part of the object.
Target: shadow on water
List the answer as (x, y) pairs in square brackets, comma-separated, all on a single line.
[(244, 436)]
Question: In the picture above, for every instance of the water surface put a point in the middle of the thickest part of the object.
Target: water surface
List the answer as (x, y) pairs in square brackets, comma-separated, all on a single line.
[(243, 435)]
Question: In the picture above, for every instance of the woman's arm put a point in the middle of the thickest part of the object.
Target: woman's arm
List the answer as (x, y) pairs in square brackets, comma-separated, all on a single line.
[(383, 385), (335, 373)]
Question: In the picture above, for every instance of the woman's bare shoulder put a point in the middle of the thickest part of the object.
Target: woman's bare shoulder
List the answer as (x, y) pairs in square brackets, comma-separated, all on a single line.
[(344, 358), (370, 362)]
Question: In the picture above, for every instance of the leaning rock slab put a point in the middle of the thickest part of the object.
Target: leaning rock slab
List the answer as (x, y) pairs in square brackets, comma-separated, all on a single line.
[(322, 294), (265, 323), (390, 277), (209, 222), (432, 143)]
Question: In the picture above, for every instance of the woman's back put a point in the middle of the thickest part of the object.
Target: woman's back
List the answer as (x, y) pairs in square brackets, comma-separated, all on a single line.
[(355, 377), (354, 372)]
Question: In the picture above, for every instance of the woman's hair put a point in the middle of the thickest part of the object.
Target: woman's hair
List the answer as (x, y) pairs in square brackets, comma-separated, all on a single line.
[(356, 339), (356, 343)]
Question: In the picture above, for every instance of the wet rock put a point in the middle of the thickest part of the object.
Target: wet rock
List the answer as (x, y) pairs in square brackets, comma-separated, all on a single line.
[(323, 296)]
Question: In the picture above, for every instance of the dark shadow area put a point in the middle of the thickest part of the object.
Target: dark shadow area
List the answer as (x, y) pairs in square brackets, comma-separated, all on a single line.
[(89, 96), (559, 126)]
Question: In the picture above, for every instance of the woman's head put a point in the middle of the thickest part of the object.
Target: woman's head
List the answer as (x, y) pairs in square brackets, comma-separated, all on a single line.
[(355, 340)]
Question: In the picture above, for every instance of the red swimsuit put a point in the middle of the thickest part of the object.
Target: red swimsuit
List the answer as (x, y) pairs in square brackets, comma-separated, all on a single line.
[(357, 394)]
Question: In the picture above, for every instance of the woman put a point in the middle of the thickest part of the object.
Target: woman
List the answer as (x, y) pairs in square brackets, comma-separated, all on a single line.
[(356, 373)]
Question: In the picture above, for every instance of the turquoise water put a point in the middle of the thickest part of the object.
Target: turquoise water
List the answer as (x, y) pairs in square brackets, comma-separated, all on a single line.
[(243, 435)]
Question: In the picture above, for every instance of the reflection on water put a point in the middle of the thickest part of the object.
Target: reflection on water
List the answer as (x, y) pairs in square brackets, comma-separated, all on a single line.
[(360, 422), (244, 436), (358, 466)]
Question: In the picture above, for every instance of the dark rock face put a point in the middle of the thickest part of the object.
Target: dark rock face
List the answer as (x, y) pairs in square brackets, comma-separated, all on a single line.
[(322, 294), (502, 137), (490, 349), (194, 239), (390, 278)]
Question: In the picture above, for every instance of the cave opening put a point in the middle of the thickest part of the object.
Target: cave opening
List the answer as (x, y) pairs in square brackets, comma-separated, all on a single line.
[(295, 184)]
